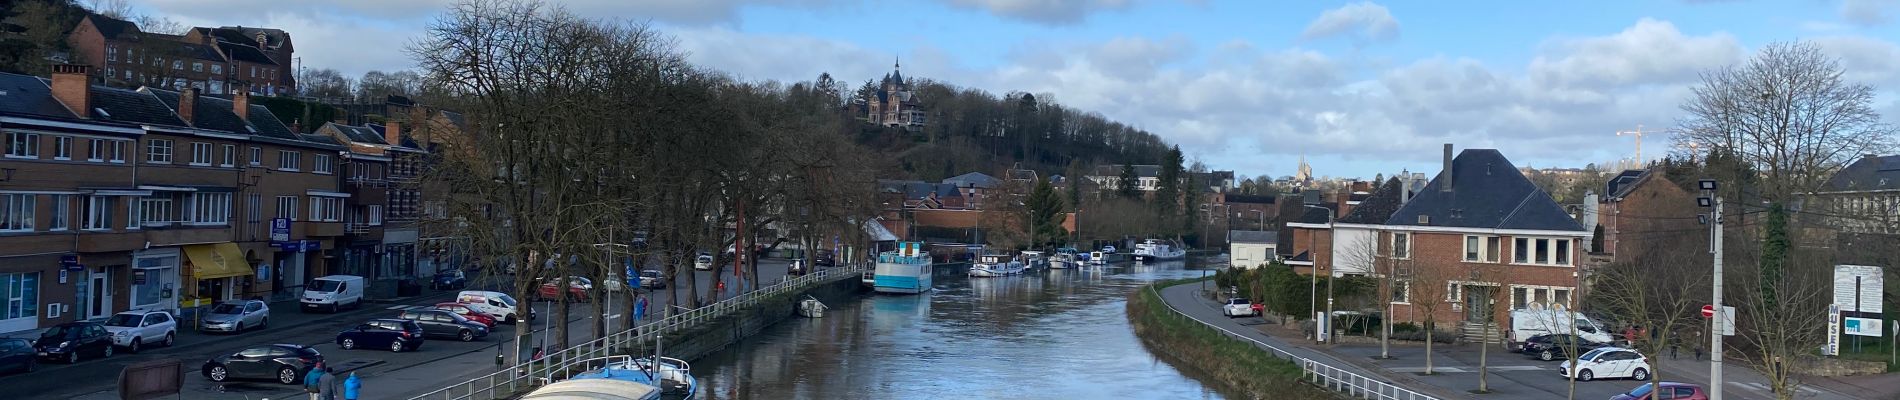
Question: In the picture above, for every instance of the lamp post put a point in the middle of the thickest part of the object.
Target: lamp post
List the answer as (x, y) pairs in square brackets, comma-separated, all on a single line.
[(1312, 256), (1713, 201)]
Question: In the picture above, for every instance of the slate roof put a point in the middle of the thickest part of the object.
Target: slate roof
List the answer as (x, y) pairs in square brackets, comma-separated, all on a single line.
[(319, 139), (267, 124), (1268, 237), (244, 52), (209, 112), (133, 106), (359, 134), (111, 28), (1487, 193), (1867, 173), (1378, 206), (1622, 183), (973, 179), (29, 95)]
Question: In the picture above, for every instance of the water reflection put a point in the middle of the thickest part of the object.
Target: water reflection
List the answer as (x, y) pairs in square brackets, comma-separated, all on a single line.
[(1050, 334)]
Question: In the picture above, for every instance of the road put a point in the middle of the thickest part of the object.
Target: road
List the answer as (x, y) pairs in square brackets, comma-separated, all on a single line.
[(1512, 375), (441, 362)]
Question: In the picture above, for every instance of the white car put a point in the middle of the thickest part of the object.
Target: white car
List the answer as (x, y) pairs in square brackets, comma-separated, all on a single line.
[(1237, 307), (1608, 362), (1108, 249), (497, 304), (134, 329), (704, 262)]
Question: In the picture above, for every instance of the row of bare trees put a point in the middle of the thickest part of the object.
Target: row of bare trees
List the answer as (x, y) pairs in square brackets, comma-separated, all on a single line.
[(590, 145)]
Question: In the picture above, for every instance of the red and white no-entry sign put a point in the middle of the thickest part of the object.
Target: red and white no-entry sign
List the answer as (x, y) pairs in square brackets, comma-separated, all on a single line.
[(1708, 311)]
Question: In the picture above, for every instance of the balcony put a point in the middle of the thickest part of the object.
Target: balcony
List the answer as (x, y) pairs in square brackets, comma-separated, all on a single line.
[(181, 234), (321, 229)]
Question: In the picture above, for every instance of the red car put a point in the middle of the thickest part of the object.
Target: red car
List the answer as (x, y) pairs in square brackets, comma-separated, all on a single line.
[(1667, 391), (577, 288), (472, 315), (1257, 308)]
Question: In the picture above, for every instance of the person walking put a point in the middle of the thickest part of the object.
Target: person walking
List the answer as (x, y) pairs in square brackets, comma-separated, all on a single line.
[(352, 387), (640, 309), (312, 381), (327, 386)]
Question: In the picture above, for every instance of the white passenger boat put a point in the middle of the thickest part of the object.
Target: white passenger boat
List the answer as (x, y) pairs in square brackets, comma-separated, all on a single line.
[(653, 378), (989, 266), (906, 270), (1158, 250), (1064, 258), (1098, 258)]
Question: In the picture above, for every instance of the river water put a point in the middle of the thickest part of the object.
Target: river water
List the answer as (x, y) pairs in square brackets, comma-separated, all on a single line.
[(1050, 334)]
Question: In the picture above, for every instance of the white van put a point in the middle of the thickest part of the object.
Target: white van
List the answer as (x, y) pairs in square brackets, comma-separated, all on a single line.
[(498, 304), (333, 292), (1529, 323)]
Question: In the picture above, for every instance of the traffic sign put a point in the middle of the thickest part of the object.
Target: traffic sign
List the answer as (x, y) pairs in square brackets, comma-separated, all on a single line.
[(1708, 311)]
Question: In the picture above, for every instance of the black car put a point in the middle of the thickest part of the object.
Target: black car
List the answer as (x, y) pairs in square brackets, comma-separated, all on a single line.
[(284, 363), (449, 279), (823, 259), (72, 340), (396, 335), (1558, 346), (446, 324), (17, 355)]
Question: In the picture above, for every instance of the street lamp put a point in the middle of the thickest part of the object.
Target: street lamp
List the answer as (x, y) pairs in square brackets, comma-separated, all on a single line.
[(1312, 256), (1711, 200)]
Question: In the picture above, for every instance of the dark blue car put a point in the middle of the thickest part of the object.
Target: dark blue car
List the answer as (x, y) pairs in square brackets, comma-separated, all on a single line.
[(397, 335), (17, 355)]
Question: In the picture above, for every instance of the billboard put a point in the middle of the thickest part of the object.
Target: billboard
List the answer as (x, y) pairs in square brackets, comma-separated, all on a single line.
[(1857, 289)]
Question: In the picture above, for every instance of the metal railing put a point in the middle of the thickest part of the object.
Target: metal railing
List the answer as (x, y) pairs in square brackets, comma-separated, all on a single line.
[(514, 379), (1318, 373)]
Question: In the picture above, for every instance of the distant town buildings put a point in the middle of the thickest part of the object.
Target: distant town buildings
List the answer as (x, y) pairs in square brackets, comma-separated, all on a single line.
[(214, 61), (893, 104)]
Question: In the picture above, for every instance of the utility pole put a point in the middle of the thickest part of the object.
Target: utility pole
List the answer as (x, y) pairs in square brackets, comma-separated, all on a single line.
[(1710, 198), (1638, 133)]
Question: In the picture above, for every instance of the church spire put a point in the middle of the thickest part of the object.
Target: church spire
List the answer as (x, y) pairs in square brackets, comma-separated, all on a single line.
[(897, 63)]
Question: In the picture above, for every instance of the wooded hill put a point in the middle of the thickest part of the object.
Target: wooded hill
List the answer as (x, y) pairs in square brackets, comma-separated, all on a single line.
[(974, 130)]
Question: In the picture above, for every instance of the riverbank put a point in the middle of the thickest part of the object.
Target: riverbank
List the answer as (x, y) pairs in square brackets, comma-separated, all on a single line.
[(1239, 366)]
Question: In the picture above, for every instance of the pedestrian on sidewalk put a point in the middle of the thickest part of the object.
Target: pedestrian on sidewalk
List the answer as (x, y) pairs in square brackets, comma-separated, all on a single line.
[(640, 308), (327, 386), (352, 387), (311, 381)]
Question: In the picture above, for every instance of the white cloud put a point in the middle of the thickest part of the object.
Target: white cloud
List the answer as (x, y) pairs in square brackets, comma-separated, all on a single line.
[(1362, 21), (1052, 12), (1867, 12), (1651, 51)]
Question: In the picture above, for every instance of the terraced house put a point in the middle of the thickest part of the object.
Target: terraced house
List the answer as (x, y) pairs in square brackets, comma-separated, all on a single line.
[(120, 199)]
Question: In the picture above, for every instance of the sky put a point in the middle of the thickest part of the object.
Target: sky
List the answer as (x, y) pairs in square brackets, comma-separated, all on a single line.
[(1356, 88)]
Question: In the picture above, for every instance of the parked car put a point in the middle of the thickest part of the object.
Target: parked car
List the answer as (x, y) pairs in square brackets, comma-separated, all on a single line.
[(397, 335), (284, 363), (1110, 249), (236, 315), (133, 329), (652, 279), (466, 312), (492, 303), (703, 262), (446, 324), (72, 340), (1666, 391), (449, 279), (1529, 323), (823, 258), (333, 292), (577, 288), (1608, 362), (797, 268), (17, 355), (1558, 346), (1237, 307)]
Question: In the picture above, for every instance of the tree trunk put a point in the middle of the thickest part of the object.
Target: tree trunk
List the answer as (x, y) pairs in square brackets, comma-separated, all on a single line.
[(1484, 358), (561, 312), (1428, 346)]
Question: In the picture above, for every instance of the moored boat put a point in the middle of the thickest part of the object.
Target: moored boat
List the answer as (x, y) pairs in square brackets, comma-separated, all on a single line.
[(988, 266), (906, 270), (655, 378), (1158, 250)]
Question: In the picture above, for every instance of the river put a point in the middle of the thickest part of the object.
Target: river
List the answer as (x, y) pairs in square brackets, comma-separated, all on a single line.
[(1050, 334)]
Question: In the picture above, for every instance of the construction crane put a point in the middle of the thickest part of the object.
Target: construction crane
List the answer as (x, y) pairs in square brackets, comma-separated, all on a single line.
[(1639, 141)]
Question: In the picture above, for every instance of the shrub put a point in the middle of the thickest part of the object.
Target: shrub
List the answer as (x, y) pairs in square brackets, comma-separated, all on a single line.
[(1404, 327)]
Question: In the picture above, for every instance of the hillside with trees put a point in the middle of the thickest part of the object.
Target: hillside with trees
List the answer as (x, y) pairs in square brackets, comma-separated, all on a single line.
[(975, 130)]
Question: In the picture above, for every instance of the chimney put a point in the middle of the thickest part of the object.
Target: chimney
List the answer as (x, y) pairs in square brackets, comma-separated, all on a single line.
[(1445, 185), (241, 102), (72, 86), (392, 133), (187, 101)]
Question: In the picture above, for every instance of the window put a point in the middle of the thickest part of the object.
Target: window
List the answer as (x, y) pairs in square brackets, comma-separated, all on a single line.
[(200, 153), (1519, 298), (197, 66), (1492, 245), (217, 68), (257, 156), (1520, 250), (253, 71), (112, 53), (23, 145), (254, 207), (326, 209), (62, 147), (16, 212), (1541, 251), (1472, 248), (117, 155), (287, 160), (111, 72), (178, 65), (20, 292), (211, 208), (98, 213), (1563, 252), (157, 210), (1560, 296), (1401, 291), (132, 207), (1482, 248), (320, 164), (1402, 245), (62, 212), (128, 74), (230, 156), (287, 207), (375, 215), (158, 151), (1454, 291)]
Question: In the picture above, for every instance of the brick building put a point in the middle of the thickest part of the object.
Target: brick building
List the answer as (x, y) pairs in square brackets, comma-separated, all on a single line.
[(124, 199), (1644, 211), (212, 60)]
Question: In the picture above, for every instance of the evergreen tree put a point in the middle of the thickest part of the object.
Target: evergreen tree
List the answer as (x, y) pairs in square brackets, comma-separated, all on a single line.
[(1168, 192), (1045, 208), (1126, 184)]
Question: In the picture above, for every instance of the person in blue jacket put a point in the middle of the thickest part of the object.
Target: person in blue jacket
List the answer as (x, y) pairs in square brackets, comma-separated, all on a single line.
[(352, 387)]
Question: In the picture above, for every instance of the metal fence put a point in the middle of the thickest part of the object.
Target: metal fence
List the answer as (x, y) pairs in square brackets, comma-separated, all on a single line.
[(1320, 374), (511, 380)]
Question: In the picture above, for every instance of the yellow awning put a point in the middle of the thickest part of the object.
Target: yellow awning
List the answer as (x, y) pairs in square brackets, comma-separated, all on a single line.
[(221, 260)]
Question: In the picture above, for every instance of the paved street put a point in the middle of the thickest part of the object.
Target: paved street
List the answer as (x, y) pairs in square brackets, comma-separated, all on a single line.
[(1513, 376), (438, 363)]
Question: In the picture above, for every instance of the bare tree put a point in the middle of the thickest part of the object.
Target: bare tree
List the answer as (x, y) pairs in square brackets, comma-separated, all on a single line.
[(1432, 290), (1661, 292)]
